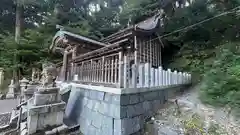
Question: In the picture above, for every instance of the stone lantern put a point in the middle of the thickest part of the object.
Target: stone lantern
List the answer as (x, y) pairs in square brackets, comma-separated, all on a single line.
[(23, 84)]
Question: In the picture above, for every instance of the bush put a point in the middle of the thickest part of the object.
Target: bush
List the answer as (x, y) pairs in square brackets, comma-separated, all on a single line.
[(221, 83)]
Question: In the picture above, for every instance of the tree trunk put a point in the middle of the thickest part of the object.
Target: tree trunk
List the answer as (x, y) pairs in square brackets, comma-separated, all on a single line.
[(17, 37), (18, 21)]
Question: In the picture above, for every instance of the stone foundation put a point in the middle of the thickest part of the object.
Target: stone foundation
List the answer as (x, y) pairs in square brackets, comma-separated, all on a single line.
[(105, 113)]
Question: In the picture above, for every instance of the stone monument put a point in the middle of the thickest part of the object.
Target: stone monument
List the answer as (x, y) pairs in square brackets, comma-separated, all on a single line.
[(11, 90), (45, 108)]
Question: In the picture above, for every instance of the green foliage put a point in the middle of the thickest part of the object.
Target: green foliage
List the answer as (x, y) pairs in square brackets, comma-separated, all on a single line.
[(195, 125), (221, 82)]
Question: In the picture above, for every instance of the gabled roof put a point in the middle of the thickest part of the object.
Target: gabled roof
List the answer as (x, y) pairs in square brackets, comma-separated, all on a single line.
[(147, 26)]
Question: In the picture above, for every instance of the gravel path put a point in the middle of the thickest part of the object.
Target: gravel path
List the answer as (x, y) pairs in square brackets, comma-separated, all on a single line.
[(190, 104), (5, 119), (220, 115), (7, 105)]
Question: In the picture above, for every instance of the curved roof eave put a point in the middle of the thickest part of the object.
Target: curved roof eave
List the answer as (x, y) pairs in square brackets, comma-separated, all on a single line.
[(62, 33)]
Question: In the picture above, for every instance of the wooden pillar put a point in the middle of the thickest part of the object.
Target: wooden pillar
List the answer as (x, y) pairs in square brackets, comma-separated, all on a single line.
[(135, 66), (64, 66), (74, 55)]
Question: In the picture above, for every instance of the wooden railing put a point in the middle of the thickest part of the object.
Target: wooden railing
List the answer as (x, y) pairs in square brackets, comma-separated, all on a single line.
[(102, 70), (108, 70)]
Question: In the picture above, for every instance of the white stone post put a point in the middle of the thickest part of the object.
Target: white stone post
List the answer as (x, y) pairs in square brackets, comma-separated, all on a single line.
[(147, 75), (164, 78), (169, 74), (180, 77), (160, 79), (11, 90), (156, 77), (75, 78), (141, 75), (152, 77), (184, 78), (175, 76), (134, 75)]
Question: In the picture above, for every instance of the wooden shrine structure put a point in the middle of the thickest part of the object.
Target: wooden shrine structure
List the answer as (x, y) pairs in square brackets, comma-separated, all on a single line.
[(119, 60)]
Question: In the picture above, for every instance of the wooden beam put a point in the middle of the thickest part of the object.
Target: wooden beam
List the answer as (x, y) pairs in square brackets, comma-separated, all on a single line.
[(102, 49)]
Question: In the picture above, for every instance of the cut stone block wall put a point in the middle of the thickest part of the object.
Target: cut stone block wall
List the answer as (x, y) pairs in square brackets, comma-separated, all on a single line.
[(104, 113)]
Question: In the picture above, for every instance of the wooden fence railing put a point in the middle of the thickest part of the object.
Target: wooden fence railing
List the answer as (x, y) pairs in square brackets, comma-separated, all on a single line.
[(103, 70), (109, 71)]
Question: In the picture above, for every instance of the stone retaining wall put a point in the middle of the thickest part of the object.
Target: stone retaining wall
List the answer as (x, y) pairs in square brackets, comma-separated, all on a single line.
[(104, 113)]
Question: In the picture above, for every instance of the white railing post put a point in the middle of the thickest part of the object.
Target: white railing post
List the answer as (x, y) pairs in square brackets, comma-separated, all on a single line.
[(134, 75), (152, 77), (125, 72), (160, 72), (147, 75), (189, 78), (116, 71), (112, 71), (169, 76), (180, 78), (184, 78), (141, 75), (175, 77), (164, 78), (120, 70), (156, 77)]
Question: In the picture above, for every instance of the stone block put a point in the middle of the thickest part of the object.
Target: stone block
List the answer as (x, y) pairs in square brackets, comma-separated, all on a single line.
[(106, 131), (99, 95), (125, 99), (130, 111), (88, 113), (81, 92), (141, 97), (97, 106), (107, 126), (116, 99), (150, 95), (104, 109), (42, 99), (139, 108), (96, 95), (91, 130), (156, 105), (117, 111), (146, 106), (107, 122), (10, 95), (134, 98), (32, 124), (86, 92), (90, 104), (97, 119), (127, 126), (83, 125), (84, 101), (34, 110), (134, 110), (114, 111), (108, 97)]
